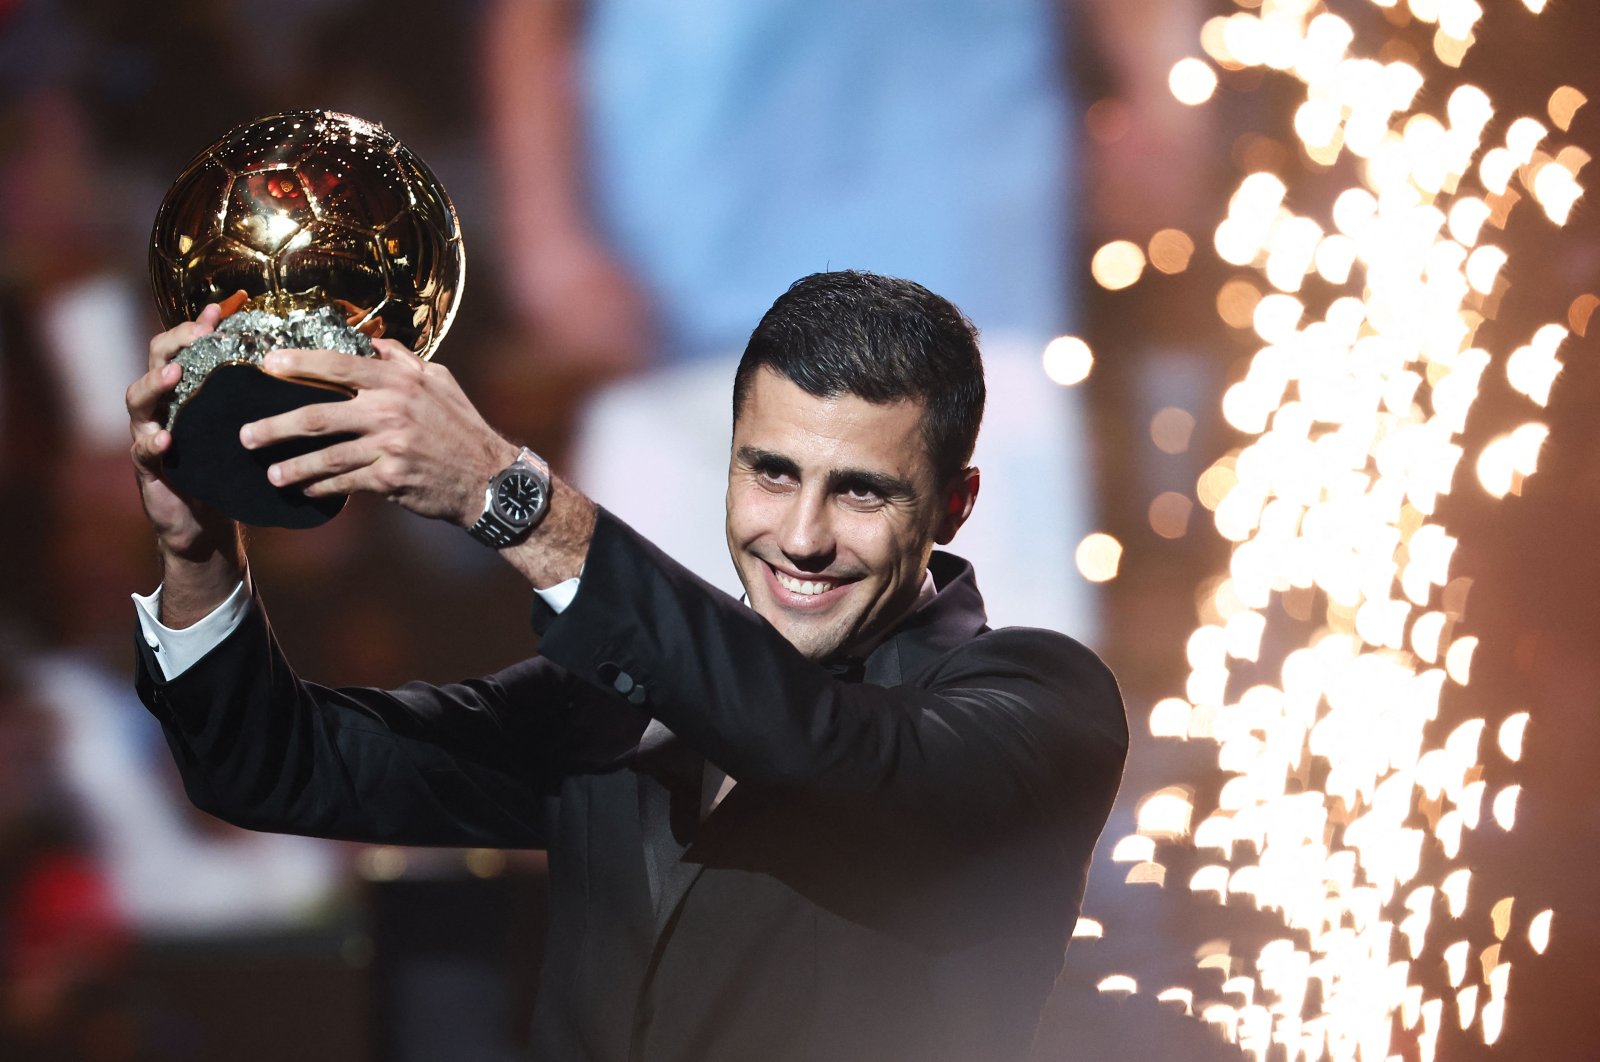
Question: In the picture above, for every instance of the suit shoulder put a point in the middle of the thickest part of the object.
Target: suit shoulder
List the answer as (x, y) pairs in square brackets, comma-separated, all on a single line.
[(1054, 687), (1044, 656), (1038, 647)]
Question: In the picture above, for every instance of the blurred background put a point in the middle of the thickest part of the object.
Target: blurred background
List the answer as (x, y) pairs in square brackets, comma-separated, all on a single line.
[(636, 180)]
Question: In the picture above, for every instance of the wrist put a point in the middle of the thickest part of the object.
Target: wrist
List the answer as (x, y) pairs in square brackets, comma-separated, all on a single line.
[(496, 456), (195, 582), (211, 541), (515, 500), (558, 548)]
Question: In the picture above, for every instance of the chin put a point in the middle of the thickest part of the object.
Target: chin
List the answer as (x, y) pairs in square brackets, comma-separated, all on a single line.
[(820, 654), (815, 641), (813, 644)]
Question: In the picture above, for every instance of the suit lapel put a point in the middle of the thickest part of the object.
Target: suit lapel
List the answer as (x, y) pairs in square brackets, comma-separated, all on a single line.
[(883, 665), (676, 880), (670, 775), (677, 843)]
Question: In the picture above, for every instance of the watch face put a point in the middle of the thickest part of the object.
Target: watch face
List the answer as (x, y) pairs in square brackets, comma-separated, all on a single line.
[(518, 497)]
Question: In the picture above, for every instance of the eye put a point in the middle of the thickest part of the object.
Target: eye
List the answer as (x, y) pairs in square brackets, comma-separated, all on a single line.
[(774, 479), (861, 496)]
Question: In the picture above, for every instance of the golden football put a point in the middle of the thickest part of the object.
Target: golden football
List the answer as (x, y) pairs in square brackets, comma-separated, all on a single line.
[(311, 208)]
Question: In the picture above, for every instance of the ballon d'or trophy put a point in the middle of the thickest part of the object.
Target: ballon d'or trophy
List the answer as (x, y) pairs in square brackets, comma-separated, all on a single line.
[(312, 229)]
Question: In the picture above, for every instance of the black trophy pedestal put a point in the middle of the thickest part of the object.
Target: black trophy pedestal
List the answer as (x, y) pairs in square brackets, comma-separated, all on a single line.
[(207, 462)]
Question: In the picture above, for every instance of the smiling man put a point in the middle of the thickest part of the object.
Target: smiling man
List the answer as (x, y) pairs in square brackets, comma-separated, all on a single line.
[(835, 500), (847, 822)]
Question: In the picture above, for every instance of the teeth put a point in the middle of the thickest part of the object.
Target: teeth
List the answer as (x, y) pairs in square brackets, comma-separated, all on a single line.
[(801, 586)]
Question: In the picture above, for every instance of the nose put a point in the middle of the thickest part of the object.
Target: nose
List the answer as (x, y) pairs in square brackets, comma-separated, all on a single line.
[(806, 536)]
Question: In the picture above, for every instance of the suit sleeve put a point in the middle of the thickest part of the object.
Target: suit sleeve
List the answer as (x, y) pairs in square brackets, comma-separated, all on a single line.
[(1019, 726), (474, 763)]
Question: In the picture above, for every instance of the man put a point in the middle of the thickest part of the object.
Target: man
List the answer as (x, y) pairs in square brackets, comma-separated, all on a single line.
[(664, 168), (848, 821)]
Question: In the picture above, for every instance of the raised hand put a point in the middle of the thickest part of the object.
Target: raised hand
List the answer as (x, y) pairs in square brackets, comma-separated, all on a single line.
[(202, 551), (418, 439), (181, 524)]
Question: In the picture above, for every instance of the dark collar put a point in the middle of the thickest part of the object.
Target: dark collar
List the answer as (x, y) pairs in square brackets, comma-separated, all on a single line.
[(954, 617)]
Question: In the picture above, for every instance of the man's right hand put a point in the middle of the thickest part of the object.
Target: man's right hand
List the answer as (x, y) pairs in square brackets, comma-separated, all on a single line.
[(202, 551)]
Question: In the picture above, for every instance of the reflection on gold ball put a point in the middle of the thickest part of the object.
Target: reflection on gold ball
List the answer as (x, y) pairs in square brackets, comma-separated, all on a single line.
[(310, 207)]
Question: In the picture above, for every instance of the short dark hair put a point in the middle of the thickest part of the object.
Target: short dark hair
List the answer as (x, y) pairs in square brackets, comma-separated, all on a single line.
[(882, 339)]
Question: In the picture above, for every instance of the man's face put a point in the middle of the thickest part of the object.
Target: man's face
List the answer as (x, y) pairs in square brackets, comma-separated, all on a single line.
[(833, 508)]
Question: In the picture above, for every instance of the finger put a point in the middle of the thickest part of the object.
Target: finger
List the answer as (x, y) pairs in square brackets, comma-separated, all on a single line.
[(165, 347), (146, 393), (308, 421), (358, 481), (397, 353), (327, 366), (149, 447), (232, 303), (310, 469)]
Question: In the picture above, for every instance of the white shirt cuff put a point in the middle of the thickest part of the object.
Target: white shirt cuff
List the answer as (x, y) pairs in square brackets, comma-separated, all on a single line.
[(178, 649), (559, 596)]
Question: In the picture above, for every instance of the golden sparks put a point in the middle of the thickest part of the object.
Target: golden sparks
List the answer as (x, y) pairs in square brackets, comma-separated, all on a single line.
[(1345, 799)]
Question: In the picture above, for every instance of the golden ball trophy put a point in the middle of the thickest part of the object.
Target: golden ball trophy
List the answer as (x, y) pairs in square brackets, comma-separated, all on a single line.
[(312, 229)]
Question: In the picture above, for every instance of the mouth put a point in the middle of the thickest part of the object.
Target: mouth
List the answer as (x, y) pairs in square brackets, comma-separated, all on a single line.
[(804, 592)]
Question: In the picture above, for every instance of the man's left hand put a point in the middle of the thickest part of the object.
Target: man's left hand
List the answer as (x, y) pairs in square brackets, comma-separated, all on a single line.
[(418, 440)]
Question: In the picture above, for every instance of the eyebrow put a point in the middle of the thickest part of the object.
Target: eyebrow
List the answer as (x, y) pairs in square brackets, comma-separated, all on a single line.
[(839, 479)]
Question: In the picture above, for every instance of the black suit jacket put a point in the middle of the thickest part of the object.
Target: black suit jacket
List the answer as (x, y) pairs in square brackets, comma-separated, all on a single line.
[(895, 876)]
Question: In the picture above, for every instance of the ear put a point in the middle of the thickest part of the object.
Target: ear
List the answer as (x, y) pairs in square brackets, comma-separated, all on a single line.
[(959, 499)]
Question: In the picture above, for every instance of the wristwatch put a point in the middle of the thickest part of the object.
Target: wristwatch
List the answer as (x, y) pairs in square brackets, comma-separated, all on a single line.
[(516, 500)]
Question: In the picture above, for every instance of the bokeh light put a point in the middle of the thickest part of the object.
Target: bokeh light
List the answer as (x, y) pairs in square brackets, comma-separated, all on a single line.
[(1171, 429), (1117, 265), (1564, 105), (1169, 514), (1192, 81), (1170, 250), (1067, 360), (1098, 557)]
